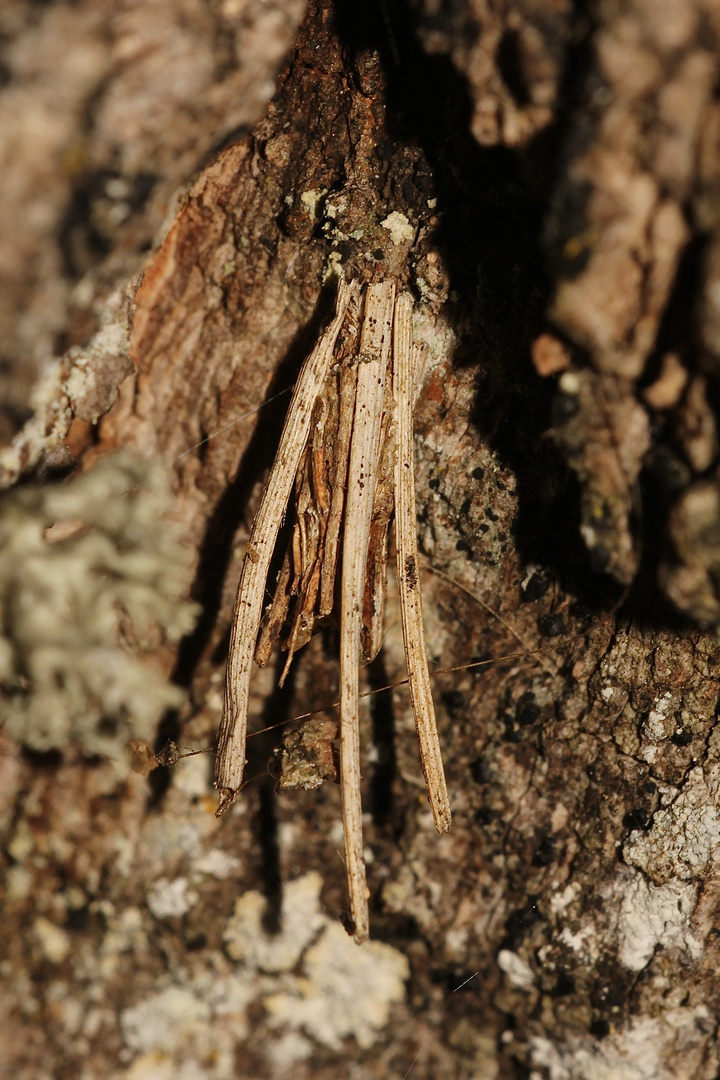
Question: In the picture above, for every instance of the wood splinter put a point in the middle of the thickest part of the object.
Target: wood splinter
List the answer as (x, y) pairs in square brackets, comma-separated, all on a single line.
[(347, 446)]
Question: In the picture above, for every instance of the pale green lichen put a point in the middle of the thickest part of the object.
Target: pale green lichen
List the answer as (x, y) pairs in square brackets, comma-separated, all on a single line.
[(311, 201), (333, 267), (84, 566), (400, 229)]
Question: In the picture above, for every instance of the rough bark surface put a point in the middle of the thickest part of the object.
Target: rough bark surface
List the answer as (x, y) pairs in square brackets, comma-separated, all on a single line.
[(544, 178)]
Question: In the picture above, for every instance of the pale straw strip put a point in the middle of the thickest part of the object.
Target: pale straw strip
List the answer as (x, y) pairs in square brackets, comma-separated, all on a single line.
[(232, 735), (408, 569), (364, 453)]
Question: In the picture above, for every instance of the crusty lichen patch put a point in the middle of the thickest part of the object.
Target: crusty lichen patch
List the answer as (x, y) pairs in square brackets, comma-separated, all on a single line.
[(189, 1030), (245, 939), (651, 917), (343, 991), (82, 564), (665, 1047), (83, 384), (314, 982), (400, 229), (685, 835)]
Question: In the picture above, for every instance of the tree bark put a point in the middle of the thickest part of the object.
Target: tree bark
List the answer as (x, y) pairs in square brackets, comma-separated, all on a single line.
[(544, 179)]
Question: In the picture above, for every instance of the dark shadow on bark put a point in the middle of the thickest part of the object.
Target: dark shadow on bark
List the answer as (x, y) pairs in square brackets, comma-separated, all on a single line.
[(382, 801), (277, 711), (490, 237)]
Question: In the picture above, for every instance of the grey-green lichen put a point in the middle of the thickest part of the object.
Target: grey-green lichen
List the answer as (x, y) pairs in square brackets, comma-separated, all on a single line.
[(86, 567)]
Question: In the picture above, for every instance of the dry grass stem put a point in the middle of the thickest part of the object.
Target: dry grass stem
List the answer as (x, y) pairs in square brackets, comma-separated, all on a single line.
[(232, 735), (354, 398), (365, 448), (408, 569)]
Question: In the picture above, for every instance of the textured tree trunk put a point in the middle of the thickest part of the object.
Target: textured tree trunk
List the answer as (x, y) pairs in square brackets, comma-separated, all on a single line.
[(544, 179)]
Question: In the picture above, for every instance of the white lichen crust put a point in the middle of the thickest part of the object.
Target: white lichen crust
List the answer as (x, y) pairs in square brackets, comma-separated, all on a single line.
[(85, 566)]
